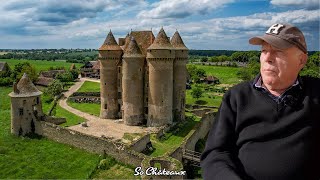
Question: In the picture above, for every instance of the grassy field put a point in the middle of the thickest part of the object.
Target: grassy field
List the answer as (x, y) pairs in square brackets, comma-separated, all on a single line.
[(24, 158), (41, 65), (89, 86), (226, 75), (90, 108)]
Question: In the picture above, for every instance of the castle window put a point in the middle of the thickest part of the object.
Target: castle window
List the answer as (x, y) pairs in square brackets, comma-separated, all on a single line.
[(146, 99), (38, 100), (119, 68), (24, 102), (105, 106), (146, 110), (119, 95), (20, 111)]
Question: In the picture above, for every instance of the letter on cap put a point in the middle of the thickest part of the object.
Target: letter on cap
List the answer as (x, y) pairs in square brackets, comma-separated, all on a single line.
[(274, 29)]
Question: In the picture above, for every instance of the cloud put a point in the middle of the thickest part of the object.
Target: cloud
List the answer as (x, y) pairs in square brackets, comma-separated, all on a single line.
[(181, 8), (309, 4)]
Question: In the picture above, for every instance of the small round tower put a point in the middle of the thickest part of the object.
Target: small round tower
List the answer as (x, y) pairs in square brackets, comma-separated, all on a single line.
[(109, 55), (179, 77), (160, 56), (132, 84), (26, 108)]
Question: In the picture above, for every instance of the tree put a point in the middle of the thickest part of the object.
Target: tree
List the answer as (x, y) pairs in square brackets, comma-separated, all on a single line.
[(196, 73), (55, 88), (25, 67), (197, 92), (65, 77), (249, 72), (204, 59)]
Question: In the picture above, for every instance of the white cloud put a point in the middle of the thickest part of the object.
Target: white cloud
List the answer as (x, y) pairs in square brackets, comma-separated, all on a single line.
[(181, 8), (310, 4)]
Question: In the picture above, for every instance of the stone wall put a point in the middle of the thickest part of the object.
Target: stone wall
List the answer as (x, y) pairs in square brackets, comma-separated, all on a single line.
[(177, 154), (85, 99), (200, 131), (92, 144), (141, 143), (54, 120), (200, 112)]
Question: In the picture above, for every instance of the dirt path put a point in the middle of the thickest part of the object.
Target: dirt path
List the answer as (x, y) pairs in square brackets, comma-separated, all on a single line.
[(97, 126)]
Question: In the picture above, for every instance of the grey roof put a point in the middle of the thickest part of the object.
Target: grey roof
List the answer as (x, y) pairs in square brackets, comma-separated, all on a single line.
[(110, 43), (133, 49), (25, 88), (177, 42), (161, 41)]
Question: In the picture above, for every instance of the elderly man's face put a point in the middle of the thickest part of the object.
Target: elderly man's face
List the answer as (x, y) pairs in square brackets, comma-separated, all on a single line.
[(280, 68)]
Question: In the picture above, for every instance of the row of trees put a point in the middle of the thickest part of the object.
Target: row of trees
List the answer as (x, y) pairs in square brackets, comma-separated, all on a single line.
[(74, 57)]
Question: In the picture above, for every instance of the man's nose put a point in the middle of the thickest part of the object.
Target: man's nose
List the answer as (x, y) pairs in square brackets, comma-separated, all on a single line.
[(269, 56)]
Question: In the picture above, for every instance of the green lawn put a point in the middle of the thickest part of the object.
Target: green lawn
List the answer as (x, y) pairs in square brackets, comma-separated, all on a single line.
[(72, 119), (90, 108), (41, 65), (89, 86)]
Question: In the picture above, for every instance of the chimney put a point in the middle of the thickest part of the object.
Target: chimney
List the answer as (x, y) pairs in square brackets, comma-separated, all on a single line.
[(15, 89)]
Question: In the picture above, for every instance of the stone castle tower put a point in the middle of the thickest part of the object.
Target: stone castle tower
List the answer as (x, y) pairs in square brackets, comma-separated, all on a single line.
[(143, 79), (26, 108)]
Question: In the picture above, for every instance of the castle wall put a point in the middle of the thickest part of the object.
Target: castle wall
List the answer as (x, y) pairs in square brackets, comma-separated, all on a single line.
[(179, 84), (200, 131), (141, 143), (92, 144), (160, 63), (132, 90), (108, 83), (24, 111)]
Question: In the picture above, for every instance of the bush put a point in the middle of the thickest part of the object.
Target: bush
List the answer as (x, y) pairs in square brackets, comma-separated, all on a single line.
[(197, 92), (6, 81)]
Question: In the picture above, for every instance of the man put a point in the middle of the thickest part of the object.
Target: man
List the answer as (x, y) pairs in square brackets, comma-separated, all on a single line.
[(269, 128)]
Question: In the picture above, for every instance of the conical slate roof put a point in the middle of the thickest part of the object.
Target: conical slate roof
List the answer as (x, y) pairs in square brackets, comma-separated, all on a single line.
[(161, 41), (127, 41), (177, 42), (25, 88), (110, 43), (132, 49)]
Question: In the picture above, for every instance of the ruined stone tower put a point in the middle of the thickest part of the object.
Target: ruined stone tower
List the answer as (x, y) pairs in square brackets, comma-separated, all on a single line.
[(145, 85), (109, 55), (179, 77), (160, 56), (26, 108), (132, 84)]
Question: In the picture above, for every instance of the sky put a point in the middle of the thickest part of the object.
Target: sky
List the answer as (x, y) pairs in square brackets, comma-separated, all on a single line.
[(202, 24)]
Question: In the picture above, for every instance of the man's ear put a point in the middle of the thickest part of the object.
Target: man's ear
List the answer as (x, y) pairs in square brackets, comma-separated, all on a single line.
[(303, 59)]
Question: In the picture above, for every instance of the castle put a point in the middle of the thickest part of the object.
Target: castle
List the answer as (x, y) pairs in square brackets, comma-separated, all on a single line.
[(143, 79)]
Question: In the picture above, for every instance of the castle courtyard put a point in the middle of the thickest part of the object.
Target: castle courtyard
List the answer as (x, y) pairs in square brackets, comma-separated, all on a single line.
[(97, 126)]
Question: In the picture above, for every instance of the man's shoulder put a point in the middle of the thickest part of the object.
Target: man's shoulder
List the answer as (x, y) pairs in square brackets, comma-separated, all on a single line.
[(243, 86), (311, 85), (240, 89), (311, 81)]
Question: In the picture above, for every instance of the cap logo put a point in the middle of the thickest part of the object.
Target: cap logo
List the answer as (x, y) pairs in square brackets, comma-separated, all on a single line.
[(274, 29)]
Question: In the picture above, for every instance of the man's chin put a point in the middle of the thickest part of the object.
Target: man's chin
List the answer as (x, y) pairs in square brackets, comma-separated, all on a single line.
[(269, 79)]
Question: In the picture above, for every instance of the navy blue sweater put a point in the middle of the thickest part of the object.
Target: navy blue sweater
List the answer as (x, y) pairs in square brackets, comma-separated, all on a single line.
[(255, 137)]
